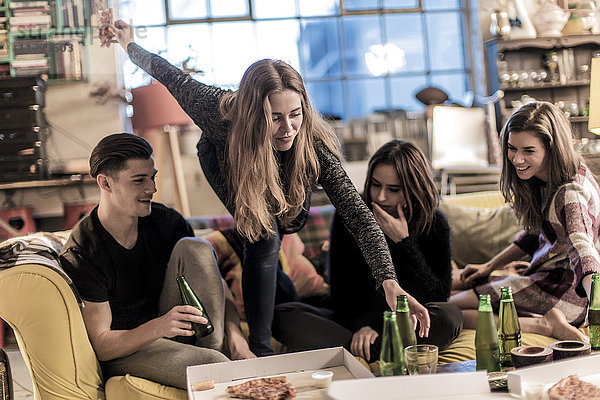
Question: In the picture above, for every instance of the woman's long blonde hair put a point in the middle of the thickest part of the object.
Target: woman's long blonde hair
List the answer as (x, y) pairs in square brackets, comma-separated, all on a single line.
[(416, 182), (265, 185), (553, 128)]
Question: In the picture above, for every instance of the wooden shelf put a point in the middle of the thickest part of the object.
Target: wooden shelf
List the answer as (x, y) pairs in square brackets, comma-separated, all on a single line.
[(546, 42), (579, 119), (545, 85), (46, 183)]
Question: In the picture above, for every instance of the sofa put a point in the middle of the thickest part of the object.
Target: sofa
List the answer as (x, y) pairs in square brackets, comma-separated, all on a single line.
[(39, 305)]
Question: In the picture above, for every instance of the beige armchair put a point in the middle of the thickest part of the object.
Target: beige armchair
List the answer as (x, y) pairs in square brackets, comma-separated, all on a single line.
[(41, 308)]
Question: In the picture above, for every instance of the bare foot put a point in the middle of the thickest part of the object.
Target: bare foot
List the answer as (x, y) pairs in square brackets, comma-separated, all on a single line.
[(559, 327)]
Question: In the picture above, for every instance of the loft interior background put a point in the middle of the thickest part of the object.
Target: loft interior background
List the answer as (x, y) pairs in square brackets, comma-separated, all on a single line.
[(356, 56)]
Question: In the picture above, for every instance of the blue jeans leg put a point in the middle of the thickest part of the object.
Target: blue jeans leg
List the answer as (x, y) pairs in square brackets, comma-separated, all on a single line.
[(259, 281)]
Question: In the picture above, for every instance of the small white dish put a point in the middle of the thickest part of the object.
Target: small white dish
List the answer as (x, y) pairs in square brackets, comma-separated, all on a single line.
[(322, 379)]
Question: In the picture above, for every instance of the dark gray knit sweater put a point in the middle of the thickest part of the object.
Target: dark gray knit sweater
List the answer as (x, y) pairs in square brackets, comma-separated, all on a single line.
[(201, 103)]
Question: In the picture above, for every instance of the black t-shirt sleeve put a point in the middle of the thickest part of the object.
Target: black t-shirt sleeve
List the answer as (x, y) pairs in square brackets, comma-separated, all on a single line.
[(91, 281)]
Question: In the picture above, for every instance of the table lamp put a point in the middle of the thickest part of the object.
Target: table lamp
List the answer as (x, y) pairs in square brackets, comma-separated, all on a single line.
[(155, 108), (594, 109)]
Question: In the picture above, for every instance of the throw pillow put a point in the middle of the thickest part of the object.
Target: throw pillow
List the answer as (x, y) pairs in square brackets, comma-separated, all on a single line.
[(478, 234), (305, 278)]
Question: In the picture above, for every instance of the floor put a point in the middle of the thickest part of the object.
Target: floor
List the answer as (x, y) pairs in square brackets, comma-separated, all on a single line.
[(22, 385)]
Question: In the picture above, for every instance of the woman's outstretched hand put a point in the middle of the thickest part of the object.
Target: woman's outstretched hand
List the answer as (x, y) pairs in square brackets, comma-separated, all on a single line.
[(393, 290), (123, 33)]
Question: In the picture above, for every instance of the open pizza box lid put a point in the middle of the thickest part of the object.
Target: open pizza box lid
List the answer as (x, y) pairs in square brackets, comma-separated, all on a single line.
[(446, 386), (542, 377), (298, 367)]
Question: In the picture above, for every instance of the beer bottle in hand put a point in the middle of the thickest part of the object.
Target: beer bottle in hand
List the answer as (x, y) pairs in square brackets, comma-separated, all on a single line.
[(509, 329), (391, 359), (594, 312), (405, 325), (487, 354), (189, 298)]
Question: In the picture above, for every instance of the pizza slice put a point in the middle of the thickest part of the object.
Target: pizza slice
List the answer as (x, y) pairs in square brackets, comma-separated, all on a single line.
[(275, 388)]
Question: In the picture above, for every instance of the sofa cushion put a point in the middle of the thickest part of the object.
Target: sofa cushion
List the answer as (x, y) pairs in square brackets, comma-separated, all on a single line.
[(478, 234)]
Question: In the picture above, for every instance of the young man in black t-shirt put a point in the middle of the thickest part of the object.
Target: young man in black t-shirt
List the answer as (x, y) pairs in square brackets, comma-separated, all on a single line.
[(124, 259)]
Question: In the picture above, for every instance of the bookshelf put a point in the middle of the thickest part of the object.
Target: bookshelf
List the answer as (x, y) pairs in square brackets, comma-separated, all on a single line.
[(46, 37)]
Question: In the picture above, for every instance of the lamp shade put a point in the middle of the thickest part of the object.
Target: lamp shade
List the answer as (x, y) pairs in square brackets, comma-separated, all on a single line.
[(594, 110), (155, 107)]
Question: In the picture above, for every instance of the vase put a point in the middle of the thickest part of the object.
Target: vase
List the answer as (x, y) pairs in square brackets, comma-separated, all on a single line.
[(550, 19)]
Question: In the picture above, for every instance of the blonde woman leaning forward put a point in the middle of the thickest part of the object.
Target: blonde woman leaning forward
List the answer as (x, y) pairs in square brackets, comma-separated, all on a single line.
[(262, 150), (557, 200)]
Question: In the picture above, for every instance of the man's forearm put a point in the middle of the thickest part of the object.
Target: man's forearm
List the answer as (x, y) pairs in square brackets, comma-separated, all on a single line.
[(121, 343)]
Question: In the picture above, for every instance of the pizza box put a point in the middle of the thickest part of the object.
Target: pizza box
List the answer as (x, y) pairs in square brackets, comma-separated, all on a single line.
[(527, 382), (444, 386), (298, 367)]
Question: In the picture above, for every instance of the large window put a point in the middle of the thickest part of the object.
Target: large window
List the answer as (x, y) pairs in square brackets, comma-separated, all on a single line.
[(356, 56)]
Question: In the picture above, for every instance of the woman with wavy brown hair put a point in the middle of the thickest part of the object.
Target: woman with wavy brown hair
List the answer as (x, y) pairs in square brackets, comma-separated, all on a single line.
[(263, 148), (557, 200)]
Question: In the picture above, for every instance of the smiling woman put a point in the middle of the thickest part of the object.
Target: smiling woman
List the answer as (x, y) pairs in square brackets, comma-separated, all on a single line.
[(557, 200)]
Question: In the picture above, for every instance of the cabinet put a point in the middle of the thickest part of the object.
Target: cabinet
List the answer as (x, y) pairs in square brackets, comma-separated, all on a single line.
[(23, 129), (550, 69), (49, 37)]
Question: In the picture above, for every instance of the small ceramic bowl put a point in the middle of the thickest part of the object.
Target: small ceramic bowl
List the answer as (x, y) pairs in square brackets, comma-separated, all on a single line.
[(569, 348), (524, 356)]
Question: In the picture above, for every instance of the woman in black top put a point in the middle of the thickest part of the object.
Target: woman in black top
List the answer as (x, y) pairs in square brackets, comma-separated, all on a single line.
[(262, 149), (400, 191)]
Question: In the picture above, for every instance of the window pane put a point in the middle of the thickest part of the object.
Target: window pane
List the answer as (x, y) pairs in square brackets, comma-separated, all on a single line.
[(327, 97), (310, 8), (445, 41), (234, 45), (400, 3), (454, 84), (405, 31), (273, 8), (187, 9), (361, 5), (138, 13), (404, 90), (229, 8), (362, 35), (364, 96), (429, 5), (151, 39), (320, 48), (192, 44), (279, 40)]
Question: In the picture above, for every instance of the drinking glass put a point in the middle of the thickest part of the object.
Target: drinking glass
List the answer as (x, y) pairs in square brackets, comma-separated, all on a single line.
[(421, 359)]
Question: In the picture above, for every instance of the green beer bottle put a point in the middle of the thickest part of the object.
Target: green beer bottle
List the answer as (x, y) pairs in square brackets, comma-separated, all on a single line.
[(486, 338), (594, 312), (405, 325), (509, 329), (391, 359), (189, 298)]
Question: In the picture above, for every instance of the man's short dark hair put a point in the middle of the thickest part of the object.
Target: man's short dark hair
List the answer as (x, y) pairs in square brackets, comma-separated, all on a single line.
[(112, 152)]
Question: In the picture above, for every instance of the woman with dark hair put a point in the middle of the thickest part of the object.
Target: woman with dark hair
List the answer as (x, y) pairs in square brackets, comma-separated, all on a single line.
[(557, 200), (263, 148), (400, 191)]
